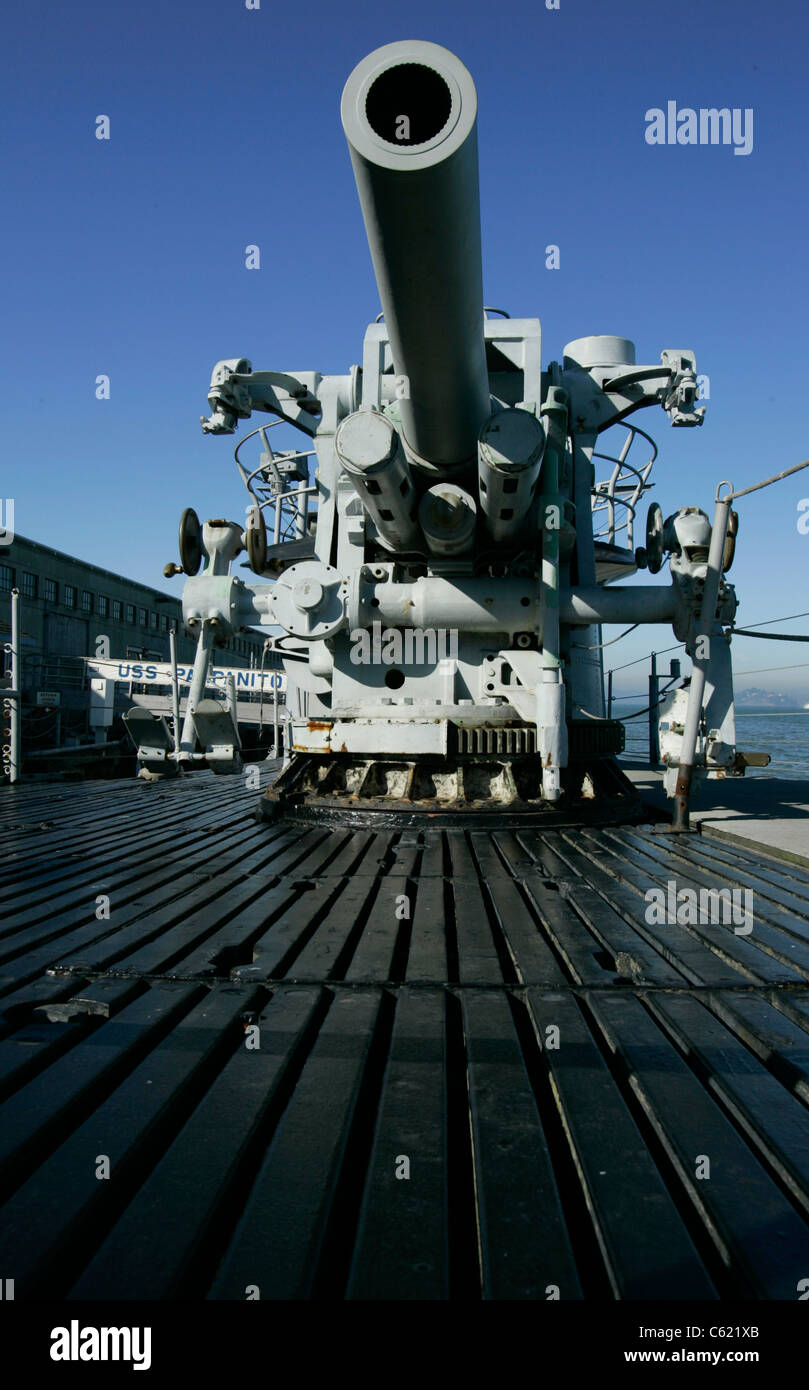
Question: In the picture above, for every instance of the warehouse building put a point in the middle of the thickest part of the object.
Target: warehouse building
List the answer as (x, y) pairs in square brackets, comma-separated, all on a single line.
[(67, 605)]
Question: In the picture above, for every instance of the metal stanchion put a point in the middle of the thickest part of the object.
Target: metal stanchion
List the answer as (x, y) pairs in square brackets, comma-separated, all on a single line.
[(276, 682), (654, 746), (12, 751), (701, 660), (175, 691), (197, 688)]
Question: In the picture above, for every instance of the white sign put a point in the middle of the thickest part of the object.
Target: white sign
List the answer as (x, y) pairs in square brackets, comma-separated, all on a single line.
[(47, 697), (159, 673)]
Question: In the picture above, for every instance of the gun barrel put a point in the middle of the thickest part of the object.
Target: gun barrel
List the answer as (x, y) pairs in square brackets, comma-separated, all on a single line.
[(409, 113)]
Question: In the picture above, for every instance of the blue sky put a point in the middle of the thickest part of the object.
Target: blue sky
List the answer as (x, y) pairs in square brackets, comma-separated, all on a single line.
[(126, 257)]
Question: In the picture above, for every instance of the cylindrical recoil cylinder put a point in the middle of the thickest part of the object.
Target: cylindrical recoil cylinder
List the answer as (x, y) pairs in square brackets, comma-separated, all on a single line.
[(448, 516), (409, 114), (509, 457), (370, 450)]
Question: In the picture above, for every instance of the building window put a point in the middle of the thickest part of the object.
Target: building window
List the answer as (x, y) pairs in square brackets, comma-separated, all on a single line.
[(130, 612), (142, 617), (86, 601), (50, 592), (6, 577), (69, 595), (103, 606), (116, 610), (153, 621), (28, 585), (164, 621)]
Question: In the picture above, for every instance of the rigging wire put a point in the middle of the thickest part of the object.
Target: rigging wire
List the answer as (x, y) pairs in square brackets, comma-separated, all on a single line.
[(784, 619), (788, 619), (759, 670), (597, 646), (776, 478)]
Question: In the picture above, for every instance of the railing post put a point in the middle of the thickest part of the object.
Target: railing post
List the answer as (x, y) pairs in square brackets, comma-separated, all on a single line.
[(654, 746), (196, 690), (13, 697), (609, 694), (700, 659), (275, 683), (175, 690)]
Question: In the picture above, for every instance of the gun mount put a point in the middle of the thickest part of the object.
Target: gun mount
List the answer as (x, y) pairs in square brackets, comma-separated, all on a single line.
[(437, 573)]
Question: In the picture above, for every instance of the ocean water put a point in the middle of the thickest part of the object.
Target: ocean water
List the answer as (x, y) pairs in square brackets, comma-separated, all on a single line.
[(784, 734)]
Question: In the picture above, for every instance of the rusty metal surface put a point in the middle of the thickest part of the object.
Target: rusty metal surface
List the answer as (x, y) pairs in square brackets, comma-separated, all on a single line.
[(475, 792), (401, 1064)]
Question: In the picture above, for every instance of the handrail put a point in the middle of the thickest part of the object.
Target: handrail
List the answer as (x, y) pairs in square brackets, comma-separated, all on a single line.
[(625, 478)]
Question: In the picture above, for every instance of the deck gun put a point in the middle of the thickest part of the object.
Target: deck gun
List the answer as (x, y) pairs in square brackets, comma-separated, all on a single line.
[(439, 560)]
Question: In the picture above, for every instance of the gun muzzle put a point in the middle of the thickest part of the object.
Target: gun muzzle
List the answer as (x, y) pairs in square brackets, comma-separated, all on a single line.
[(409, 113)]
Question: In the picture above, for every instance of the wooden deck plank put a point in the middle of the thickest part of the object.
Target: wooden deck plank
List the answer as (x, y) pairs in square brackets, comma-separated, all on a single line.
[(478, 956), (740, 952), (756, 1230), (622, 888), (278, 1239), (778, 929), (421, 1035), (647, 1249), (57, 1217), (427, 948), (774, 1122), (163, 1244), (532, 954), (524, 1244), (402, 1245)]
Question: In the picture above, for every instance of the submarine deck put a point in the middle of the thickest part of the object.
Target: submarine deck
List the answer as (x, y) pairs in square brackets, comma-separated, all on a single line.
[(322, 1063)]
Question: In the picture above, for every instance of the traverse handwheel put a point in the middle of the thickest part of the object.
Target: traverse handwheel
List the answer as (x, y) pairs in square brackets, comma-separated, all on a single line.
[(654, 538), (256, 540), (190, 541)]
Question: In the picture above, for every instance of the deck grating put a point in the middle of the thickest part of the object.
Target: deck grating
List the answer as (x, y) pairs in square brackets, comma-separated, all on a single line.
[(347, 1064)]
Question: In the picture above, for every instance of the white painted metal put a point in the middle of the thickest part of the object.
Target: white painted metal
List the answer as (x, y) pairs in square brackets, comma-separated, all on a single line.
[(421, 206), (371, 452), (509, 456), (448, 518), (427, 604)]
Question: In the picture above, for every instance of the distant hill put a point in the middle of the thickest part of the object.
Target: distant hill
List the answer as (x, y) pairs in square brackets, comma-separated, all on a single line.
[(772, 699)]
